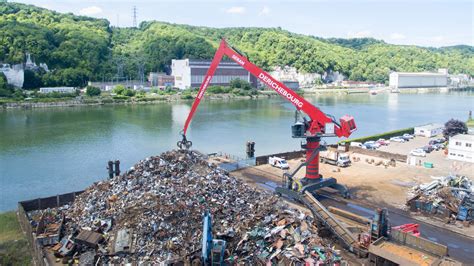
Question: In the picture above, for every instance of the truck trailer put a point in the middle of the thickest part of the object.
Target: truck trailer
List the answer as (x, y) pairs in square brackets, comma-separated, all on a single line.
[(335, 158)]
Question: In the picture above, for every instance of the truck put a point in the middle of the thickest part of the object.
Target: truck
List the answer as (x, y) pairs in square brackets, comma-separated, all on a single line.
[(278, 162), (335, 158)]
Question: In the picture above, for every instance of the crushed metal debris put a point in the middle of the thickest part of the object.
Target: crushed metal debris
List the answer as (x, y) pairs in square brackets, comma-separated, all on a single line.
[(451, 197), (153, 214)]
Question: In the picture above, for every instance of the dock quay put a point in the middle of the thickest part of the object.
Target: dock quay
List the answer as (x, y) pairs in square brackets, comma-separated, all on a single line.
[(348, 219)]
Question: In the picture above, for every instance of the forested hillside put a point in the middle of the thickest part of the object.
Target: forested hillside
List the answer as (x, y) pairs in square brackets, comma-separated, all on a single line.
[(78, 49)]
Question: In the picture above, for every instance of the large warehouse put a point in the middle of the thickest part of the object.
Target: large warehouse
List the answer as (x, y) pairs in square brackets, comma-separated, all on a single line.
[(419, 79), (189, 73)]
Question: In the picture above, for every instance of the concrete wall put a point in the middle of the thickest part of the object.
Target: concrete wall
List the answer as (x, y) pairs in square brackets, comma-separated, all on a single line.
[(287, 155), (419, 243)]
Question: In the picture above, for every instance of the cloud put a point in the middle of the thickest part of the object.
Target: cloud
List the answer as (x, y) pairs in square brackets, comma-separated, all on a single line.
[(90, 11), (397, 36), (265, 11), (235, 10), (438, 38), (359, 34)]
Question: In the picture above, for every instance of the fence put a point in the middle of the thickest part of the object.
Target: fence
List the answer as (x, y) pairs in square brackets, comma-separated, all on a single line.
[(40, 204), (235, 163)]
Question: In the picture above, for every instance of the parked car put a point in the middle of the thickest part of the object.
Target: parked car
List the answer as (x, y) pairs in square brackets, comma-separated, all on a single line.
[(356, 144), (373, 143), (437, 141), (428, 148), (418, 152), (406, 137), (368, 146), (383, 142), (438, 146), (397, 139), (278, 162)]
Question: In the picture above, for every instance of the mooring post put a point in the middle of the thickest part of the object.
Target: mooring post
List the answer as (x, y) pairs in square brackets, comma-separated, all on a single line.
[(110, 167), (117, 167)]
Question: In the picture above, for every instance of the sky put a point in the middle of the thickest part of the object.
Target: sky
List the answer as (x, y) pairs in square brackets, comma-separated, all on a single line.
[(417, 22)]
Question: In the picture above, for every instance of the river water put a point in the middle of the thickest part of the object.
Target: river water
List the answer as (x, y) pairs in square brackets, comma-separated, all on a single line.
[(50, 151)]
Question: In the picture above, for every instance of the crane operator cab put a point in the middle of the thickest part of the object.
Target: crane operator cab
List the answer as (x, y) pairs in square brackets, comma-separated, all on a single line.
[(347, 123)]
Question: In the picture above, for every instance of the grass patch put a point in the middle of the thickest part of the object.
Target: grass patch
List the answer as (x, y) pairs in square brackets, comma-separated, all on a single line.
[(9, 227), (385, 135), (14, 248)]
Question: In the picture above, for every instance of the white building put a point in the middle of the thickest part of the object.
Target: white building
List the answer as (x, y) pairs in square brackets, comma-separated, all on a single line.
[(461, 148), (189, 73), (58, 89), (15, 75), (429, 130), (287, 73), (399, 80)]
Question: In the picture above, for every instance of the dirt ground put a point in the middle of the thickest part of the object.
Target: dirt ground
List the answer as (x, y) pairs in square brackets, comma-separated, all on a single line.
[(374, 185)]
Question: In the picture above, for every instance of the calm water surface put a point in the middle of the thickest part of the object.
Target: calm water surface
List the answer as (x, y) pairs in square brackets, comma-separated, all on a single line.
[(45, 152)]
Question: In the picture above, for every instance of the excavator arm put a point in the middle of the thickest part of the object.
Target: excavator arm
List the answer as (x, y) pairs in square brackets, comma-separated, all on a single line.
[(319, 121)]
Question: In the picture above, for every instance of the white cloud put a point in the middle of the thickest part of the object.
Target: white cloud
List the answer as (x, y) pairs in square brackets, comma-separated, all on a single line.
[(265, 11), (397, 36), (235, 10), (90, 11), (438, 38), (359, 34)]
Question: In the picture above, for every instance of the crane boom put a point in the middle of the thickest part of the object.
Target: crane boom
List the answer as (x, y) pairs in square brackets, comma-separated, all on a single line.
[(319, 125), (318, 118)]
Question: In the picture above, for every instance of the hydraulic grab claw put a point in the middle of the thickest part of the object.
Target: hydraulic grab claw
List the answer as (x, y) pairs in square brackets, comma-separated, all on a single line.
[(184, 144)]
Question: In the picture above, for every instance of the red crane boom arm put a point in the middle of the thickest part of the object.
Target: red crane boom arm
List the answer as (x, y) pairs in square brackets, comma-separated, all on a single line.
[(318, 118)]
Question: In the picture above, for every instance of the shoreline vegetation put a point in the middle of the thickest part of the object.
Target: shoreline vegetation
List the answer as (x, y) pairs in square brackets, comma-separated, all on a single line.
[(189, 95), (14, 248)]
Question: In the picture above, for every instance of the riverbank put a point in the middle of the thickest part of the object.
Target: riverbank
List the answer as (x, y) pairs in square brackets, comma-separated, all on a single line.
[(13, 245), (176, 98)]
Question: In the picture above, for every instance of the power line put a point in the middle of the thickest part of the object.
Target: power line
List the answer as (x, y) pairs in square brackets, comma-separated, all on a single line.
[(134, 16)]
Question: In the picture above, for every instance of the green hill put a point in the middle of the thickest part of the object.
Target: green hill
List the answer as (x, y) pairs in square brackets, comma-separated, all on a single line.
[(79, 48)]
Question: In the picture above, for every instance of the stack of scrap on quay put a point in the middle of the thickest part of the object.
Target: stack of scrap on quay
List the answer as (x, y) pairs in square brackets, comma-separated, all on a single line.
[(153, 214), (450, 197), (47, 225)]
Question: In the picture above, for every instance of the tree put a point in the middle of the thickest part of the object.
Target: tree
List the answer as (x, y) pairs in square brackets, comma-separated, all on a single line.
[(5, 89), (454, 127), (128, 92), (92, 91), (32, 80), (119, 89), (240, 84)]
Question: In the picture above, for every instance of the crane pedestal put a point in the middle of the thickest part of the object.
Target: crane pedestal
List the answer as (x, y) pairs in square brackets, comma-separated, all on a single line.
[(312, 181)]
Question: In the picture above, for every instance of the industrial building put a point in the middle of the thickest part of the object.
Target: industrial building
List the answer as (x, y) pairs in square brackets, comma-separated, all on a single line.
[(189, 73), (400, 80), (160, 79), (429, 130), (461, 148)]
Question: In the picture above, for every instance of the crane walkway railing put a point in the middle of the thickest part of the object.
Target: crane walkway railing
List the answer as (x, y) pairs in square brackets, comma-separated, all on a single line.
[(323, 215)]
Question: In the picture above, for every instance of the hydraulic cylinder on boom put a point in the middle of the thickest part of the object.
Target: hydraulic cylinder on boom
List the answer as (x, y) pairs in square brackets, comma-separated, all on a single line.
[(319, 125)]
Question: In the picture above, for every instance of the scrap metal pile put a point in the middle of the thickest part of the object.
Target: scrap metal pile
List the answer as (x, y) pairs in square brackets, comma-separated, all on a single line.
[(450, 197), (153, 213)]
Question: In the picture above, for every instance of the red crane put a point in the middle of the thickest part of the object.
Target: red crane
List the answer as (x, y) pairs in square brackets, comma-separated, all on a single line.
[(319, 124)]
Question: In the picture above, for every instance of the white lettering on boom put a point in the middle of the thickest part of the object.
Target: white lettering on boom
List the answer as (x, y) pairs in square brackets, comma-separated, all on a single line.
[(280, 90)]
